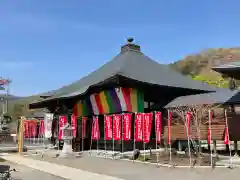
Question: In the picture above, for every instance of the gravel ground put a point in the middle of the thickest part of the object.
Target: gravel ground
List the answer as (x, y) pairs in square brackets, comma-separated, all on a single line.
[(130, 171), (26, 173)]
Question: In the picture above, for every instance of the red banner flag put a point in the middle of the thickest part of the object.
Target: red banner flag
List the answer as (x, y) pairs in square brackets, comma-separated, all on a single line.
[(95, 129), (147, 127), (210, 115), (127, 124), (139, 127), (62, 123), (30, 128), (169, 127), (74, 125), (41, 128), (84, 124), (33, 128), (188, 122), (108, 127), (158, 126), (117, 127), (226, 137), (26, 129)]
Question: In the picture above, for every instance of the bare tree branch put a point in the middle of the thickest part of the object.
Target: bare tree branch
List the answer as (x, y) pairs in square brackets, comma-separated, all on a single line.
[(199, 115)]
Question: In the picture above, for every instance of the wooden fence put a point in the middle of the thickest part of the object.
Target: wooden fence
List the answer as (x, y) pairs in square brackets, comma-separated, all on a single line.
[(178, 131)]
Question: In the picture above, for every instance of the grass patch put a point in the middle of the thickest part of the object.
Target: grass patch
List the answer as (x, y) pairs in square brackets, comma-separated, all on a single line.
[(2, 160), (141, 158)]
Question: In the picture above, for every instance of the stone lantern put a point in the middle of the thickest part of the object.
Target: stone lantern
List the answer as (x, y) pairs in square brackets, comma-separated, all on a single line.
[(67, 150)]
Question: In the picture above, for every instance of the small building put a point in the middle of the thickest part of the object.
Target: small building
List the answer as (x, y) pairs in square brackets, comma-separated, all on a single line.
[(230, 70), (218, 102)]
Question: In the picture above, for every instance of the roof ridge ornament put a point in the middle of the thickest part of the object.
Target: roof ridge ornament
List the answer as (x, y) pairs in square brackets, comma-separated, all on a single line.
[(130, 46), (130, 40)]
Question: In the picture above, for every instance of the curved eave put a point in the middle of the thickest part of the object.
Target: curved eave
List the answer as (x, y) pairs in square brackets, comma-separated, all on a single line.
[(229, 71), (214, 98), (83, 91)]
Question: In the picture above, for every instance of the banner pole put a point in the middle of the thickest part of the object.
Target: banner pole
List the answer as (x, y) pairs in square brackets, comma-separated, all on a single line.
[(134, 140), (122, 134), (169, 134), (38, 135), (189, 146), (105, 146), (144, 124), (58, 140), (83, 144), (30, 133), (157, 153), (82, 133), (35, 129), (230, 153), (91, 137), (43, 133), (97, 141), (210, 135), (113, 138)]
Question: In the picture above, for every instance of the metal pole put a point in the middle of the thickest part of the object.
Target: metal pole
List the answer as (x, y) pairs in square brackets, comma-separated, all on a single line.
[(189, 147), (170, 145), (134, 141), (210, 135), (38, 134), (83, 138), (112, 137), (157, 153), (82, 128), (29, 133), (91, 139), (42, 133), (230, 153), (144, 152), (98, 128), (34, 137), (105, 145), (122, 135)]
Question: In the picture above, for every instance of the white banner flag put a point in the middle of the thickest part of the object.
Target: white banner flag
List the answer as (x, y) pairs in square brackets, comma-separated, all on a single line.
[(48, 124)]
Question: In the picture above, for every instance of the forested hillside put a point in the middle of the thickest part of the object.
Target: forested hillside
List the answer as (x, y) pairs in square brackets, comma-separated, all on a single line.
[(198, 66)]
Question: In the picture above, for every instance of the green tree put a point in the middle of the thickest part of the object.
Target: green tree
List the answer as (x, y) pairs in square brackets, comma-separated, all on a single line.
[(18, 110), (217, 82)]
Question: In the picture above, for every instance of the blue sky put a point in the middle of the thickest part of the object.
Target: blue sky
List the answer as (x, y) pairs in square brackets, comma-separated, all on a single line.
[(50, 43)]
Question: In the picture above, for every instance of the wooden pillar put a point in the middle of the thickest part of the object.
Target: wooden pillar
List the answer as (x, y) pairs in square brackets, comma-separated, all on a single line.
[(20, 135)]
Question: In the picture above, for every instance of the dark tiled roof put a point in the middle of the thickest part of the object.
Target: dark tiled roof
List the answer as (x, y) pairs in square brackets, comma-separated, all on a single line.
[(137, 66), (134, 65), (219, 97), (231, 65)]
